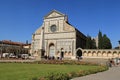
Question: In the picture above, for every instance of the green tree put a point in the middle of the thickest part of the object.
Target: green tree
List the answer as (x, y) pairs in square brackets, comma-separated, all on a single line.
[(106, 42), (103, 41), (100, 41)]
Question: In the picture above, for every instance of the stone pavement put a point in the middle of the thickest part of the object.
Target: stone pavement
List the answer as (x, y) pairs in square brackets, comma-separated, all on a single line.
[(111, 74)]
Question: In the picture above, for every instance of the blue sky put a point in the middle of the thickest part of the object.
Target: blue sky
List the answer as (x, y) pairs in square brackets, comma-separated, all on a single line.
[(20, 18)]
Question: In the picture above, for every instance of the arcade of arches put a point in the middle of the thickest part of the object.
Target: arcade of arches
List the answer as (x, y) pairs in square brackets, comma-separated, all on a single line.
[(100, 53)]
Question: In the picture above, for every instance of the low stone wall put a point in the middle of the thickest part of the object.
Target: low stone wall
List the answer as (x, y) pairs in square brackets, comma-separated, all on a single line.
[(100, 53)]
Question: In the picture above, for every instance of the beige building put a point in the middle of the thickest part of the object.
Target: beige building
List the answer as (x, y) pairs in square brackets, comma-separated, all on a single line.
[(96, 41), (57, 37)]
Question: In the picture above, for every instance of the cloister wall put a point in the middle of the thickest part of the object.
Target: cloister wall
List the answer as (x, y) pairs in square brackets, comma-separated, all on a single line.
[(100, 53)]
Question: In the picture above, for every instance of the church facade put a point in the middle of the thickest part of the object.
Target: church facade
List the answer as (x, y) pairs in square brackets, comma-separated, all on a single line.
[(57, 37)]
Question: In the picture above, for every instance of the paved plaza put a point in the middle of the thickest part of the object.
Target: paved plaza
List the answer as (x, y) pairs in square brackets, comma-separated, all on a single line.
[(111, 74)]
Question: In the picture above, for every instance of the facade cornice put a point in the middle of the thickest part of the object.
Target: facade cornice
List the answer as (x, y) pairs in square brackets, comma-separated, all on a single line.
[(58, 32), (62, 15)]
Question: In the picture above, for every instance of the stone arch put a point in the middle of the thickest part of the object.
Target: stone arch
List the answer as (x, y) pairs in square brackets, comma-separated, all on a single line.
[(104, 54), (99, 54), (79, 52), (51, 49), (94, 53), (115, 54), (85, 53), (98, 51), (108, 51), (109, 54), (89, 53), (103, 51)]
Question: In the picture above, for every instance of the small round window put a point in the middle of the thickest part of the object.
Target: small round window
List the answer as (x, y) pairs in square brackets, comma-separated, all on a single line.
[(53, 28)]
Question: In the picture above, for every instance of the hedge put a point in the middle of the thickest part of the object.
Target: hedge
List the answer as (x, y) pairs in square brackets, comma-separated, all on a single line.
[(68, 76)]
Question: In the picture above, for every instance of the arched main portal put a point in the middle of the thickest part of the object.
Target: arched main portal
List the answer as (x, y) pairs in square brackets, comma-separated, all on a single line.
[(51, 50), (79, 52)]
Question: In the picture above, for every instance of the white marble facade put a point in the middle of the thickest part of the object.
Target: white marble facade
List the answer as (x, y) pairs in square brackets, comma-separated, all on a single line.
[(59, 36)]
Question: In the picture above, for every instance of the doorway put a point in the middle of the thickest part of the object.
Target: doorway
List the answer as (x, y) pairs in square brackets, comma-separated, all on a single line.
[(51, 50)]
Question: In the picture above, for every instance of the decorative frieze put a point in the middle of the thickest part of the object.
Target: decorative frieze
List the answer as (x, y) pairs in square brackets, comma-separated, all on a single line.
[(60, 35)]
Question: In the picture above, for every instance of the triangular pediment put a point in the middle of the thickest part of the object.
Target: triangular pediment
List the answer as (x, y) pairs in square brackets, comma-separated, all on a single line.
[(53, 14)]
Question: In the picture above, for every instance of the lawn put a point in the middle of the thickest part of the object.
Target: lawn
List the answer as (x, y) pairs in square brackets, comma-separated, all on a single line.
[(22, 71)]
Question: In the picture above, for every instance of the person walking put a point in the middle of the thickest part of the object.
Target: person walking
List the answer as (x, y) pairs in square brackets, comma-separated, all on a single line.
[(110, 62)]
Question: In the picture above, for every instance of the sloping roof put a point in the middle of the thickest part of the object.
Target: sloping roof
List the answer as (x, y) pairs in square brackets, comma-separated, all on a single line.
[(38, 31), (68, 27), (11, 42), (52, 12), (80, 33)]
